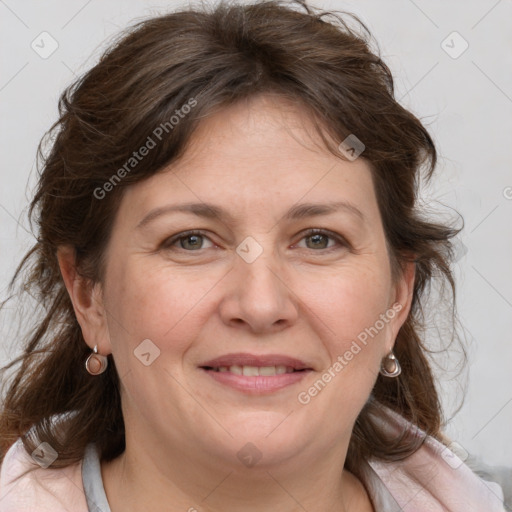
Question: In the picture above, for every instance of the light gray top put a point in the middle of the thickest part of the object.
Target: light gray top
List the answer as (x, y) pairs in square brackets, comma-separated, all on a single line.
[(93, 483)]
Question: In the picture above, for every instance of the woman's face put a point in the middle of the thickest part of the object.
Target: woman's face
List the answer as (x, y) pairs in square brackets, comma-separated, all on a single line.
[(253, 288)]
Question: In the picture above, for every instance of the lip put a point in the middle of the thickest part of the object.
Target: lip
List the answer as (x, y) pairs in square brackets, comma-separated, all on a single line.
[(257, 385), (246, 359)]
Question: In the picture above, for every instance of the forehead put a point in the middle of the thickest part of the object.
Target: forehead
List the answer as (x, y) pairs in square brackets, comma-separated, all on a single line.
[(257, 155), (258, 130)]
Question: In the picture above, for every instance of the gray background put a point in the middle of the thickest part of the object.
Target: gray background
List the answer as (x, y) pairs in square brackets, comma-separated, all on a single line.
[(465, 98)]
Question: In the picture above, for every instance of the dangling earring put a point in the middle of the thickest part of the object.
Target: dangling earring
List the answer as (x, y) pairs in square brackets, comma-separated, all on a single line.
[(390, 367), (96, 363)]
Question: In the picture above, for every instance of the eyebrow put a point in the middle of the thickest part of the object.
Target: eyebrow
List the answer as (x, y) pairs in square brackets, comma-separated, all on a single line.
[(211, 211)]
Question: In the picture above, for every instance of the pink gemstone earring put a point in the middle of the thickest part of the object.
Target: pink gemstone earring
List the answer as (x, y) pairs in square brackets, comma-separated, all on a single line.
[(96, 363)]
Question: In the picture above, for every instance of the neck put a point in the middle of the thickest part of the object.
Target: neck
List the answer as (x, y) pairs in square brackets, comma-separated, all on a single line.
[(141, 479)]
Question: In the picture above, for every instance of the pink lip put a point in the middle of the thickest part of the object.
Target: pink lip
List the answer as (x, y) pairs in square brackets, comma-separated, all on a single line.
[(258, 384), (245, 359)]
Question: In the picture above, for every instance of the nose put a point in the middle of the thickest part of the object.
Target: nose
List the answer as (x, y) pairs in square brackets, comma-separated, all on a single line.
[(259, 297)]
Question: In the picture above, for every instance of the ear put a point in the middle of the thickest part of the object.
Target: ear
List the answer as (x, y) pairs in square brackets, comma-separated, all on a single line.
[(402, 301), (87, 301)]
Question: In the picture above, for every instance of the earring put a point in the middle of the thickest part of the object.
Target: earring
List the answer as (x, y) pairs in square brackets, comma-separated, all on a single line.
[(96, 363), (390, 367)]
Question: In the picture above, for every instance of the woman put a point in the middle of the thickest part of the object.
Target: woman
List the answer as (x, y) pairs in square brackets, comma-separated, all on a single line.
[(229, 243)]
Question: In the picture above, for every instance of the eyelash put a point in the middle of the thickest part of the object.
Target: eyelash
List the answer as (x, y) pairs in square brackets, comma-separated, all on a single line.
[(169, 242)]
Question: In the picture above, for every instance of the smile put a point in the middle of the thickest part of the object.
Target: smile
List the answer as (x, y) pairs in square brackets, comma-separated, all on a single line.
[(253, 371)]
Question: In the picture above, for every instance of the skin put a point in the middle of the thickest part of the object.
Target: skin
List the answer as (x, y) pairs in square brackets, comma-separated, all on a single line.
[(198, 299)]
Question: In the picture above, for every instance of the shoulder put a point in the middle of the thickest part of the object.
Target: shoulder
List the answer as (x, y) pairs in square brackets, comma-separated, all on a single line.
[(437, 478), (44, 489)]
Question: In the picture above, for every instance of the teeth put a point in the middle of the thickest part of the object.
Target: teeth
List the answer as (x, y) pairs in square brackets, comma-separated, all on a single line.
[(267, 370), (250, 371), (254, 371), (238, 370)]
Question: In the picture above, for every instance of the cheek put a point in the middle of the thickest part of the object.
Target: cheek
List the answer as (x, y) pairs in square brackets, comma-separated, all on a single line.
[(162, 305), (341, 389), (355, 318), (350, 304)]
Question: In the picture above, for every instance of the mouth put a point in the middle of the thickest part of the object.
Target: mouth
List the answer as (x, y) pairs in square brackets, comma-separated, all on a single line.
[(256, 374), (251, 361), (254, 371)]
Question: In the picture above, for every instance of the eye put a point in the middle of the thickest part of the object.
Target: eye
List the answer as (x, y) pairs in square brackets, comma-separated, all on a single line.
[(188, 241), (191, 241), (320, 237)]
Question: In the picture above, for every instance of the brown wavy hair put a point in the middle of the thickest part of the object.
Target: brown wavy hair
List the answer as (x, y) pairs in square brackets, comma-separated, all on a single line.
[(215, 56)]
